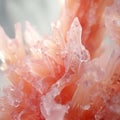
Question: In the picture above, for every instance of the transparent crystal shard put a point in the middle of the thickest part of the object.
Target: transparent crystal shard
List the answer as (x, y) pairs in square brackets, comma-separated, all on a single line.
[(75, 52)]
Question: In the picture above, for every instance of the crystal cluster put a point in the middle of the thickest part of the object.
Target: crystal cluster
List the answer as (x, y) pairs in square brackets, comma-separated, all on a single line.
[(73, 74)]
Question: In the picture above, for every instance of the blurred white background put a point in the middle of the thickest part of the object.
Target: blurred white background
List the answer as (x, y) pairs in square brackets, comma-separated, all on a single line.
[(40, 13)]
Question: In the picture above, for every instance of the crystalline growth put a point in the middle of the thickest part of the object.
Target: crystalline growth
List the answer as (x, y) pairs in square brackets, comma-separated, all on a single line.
[(50, 109), (112, 20), (75, 51), (73, 74), (75, 55)]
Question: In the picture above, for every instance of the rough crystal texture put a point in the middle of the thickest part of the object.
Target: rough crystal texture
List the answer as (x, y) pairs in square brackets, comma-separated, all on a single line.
[(72, 62), (112, 20), (73, 74)]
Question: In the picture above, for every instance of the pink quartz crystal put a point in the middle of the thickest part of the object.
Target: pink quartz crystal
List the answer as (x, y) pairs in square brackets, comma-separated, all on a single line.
[(73, 74)]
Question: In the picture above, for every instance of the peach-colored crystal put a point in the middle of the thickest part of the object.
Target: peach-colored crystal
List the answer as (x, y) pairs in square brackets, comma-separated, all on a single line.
[(73, 74)]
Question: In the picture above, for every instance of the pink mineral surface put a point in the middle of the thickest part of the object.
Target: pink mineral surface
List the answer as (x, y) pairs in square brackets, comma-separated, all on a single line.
[(72, 74)]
